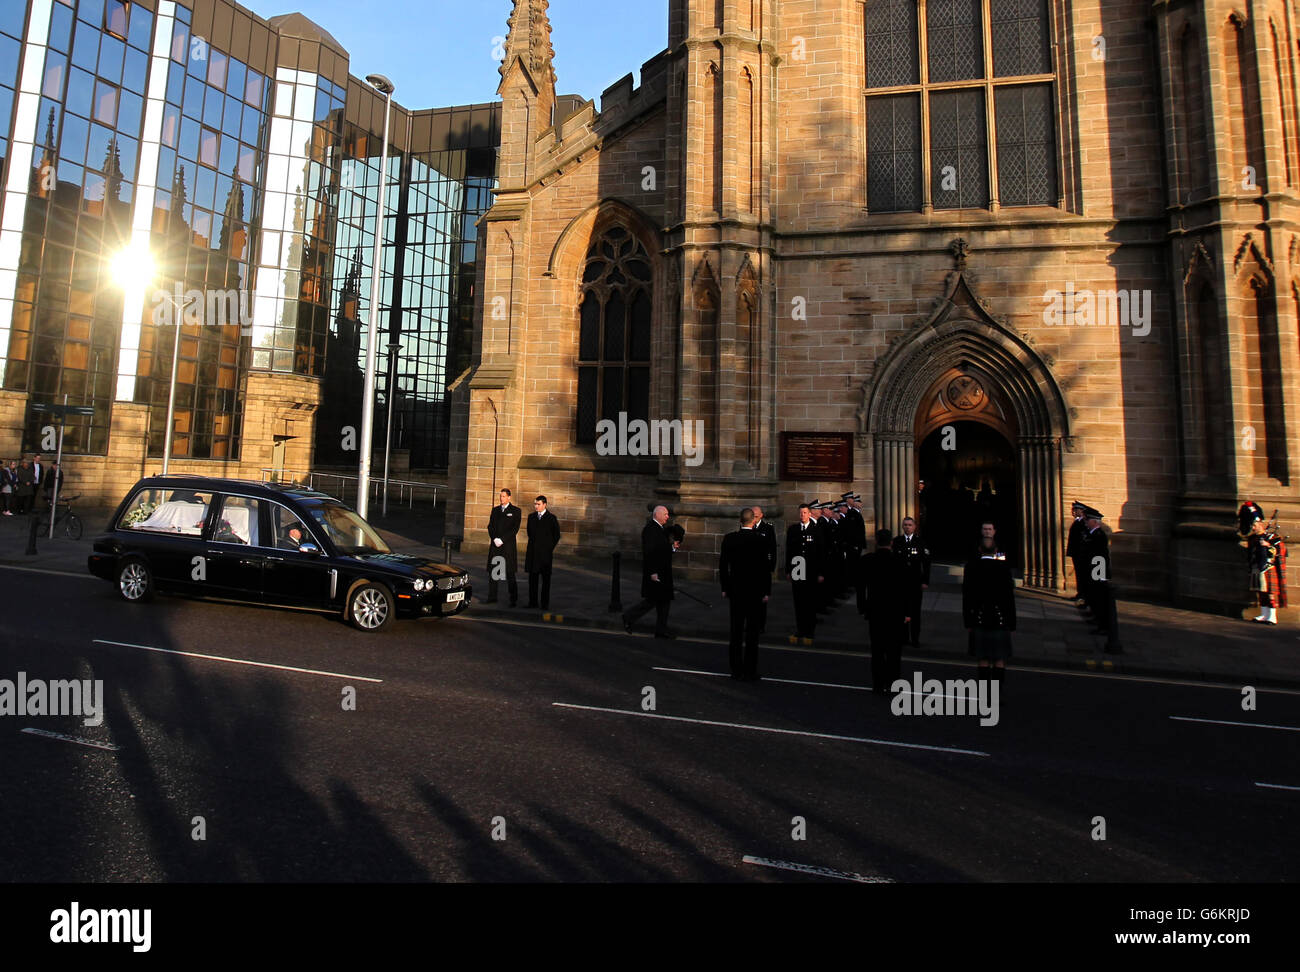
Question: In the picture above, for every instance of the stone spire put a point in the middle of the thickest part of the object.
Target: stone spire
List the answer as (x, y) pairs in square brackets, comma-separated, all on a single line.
[(112, 169), (529, 39)]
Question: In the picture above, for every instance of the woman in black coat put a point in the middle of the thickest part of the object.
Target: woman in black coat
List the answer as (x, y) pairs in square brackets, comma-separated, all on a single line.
[(988, 602)]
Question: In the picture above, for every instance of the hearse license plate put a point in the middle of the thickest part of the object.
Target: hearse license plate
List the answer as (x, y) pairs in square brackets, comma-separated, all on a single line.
[(453, 598)]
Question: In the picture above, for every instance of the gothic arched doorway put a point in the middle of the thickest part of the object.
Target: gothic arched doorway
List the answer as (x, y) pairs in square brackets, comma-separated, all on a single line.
[(961, 369), (967, 475)]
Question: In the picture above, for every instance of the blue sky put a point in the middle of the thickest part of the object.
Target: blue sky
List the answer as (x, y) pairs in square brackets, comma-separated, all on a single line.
[(439, 52)]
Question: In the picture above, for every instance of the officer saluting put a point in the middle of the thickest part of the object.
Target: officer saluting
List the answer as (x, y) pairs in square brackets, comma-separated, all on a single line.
[(910, 548), (503, 556)]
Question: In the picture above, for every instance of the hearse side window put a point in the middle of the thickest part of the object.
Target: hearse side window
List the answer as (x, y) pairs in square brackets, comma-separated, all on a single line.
[(237, 521), (167, 511), (282, 521)]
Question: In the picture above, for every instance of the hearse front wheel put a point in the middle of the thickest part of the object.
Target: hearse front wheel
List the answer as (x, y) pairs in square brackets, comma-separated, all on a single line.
[(371, 608)]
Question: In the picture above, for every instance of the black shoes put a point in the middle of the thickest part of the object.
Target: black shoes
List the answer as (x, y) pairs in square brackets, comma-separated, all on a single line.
[(627, 625)]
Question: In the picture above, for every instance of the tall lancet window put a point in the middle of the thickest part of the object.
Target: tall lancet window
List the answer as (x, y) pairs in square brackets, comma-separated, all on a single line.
[(614, 332), (961, 104)]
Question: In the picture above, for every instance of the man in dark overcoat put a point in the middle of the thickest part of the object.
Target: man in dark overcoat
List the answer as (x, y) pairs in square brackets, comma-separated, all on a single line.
[(503, 554), (747, 585), (543, 536)]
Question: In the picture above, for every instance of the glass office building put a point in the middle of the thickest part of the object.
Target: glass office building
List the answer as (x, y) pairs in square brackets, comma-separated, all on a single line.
[(239, 159)]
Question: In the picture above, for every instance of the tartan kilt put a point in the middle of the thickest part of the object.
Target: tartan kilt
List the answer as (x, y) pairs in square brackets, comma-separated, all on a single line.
[(1274, 578)]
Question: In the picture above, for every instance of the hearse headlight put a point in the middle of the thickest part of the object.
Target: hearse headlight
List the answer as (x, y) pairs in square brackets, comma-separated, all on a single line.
[(420, 584)]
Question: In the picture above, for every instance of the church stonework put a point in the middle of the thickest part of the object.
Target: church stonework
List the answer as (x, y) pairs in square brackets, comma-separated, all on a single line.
[(1056, 236)]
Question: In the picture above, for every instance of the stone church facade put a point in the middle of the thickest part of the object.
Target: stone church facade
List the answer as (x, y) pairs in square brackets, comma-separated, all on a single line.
[(1023, 251)]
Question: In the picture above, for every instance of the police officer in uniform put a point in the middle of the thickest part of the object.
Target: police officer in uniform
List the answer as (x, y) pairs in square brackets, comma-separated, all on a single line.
[(1074, 548), (768, 532), (855, 545), (1096, 556), (910, 548), (503, 528), (803, 565), (885, 580)]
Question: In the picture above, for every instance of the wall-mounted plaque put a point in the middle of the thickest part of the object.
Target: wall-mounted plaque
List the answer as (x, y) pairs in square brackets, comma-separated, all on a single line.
[(823, 456)]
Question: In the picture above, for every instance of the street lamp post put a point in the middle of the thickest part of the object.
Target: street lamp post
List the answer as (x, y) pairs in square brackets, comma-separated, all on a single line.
[(177, 314), (386, 88), (388, 443)]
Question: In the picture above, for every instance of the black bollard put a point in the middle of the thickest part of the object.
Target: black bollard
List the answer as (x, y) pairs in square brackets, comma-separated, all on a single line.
[(446, 550), (1112, 636), (615, 584), (31, 534)]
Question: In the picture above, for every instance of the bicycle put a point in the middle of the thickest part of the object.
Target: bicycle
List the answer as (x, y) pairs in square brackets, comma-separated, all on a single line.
[(63, 514)]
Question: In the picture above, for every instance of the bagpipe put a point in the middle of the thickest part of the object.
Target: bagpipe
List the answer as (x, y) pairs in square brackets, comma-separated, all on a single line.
[(1270, 543)]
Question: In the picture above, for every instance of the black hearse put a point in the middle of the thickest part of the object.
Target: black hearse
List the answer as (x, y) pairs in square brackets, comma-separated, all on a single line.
[(267, 543)]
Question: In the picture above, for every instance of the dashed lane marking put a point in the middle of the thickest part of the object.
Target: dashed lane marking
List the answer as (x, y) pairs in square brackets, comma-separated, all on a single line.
[(783, 681), (818, 871), (1223, 722), (72, 739), (239, 661), (782, 732)]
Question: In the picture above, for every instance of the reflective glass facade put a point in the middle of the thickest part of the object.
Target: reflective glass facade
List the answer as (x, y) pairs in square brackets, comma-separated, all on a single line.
[(243, 158)]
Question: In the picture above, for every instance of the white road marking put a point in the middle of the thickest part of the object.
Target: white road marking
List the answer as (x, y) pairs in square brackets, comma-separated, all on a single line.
[(1222, 722), (914, 660), (784, 681), (1278, 786), (59, 573), (72, 739), (783, 732), (819, 871), (795, 681), (239, 661)]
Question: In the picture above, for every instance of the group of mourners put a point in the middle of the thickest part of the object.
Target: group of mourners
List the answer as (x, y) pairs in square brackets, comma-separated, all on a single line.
[(826, 558), (24, 482)]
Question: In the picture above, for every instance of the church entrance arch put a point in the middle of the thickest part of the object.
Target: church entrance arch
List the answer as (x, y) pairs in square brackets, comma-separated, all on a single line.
[(966, 401)]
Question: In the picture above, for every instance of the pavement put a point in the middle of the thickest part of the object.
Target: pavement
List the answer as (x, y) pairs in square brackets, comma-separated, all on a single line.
[(1157, 640)]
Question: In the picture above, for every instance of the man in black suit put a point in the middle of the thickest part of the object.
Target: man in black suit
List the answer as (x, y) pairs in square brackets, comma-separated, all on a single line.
[(910, 548), (543, 535), (656, 574), (803, 565), (768, 533), (747, 585), (885, 580), (503, 557)]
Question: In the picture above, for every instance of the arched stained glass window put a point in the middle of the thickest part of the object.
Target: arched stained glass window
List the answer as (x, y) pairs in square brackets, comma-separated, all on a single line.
[(614, 332)]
